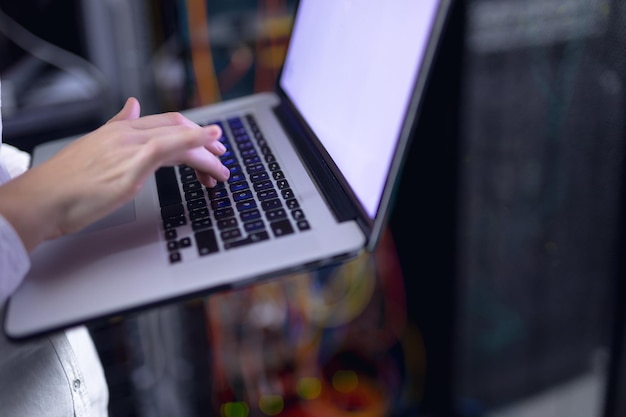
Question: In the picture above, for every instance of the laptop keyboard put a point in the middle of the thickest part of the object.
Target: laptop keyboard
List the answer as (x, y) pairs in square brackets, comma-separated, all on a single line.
[(256, 204)]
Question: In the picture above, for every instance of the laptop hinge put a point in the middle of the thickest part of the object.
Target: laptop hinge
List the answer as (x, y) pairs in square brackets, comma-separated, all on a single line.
[(327, 183)]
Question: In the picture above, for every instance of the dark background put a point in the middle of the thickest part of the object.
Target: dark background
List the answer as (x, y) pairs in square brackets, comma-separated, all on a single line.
[(507, 226)]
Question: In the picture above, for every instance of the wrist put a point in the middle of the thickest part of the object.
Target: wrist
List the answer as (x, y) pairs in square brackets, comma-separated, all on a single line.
[(28, 207)]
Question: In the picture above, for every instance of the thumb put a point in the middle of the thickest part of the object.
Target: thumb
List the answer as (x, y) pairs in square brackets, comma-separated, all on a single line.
[(130, 111)]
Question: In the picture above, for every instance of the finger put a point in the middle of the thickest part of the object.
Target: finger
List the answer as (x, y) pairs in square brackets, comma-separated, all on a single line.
[(205, 136), (130, 111), (171, 119), (206, 164), (162, 119), (188, 147), (217, 148), (206, 179)]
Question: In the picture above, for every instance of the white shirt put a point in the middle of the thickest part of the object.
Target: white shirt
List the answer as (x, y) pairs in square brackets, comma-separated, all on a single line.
[(60, 375)]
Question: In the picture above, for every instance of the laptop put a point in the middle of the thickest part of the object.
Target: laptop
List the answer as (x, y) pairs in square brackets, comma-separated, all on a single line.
[(313, 168)]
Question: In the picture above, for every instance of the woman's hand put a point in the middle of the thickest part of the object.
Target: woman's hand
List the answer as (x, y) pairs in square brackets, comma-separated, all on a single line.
[(99, 172)]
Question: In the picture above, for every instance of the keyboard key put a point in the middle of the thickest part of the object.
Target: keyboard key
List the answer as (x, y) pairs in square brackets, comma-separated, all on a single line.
[(192, 195), (185, 169), (242, 137), (254, 225), (227, 223), (251, 160), (252, 238), (281, 228), (242, 185), (201, 224), (303, 225), (174, 210), (273, 166), (259, 176), (282, 184), (200, 213), (175, 257), (192, 186), (230, 234), (292, 204), (236, 178), (242, 195), (271, 204), (196, 204), (263, 185), (274, 215), (229, 161), (248, 152), (249, 215), (267, 194), (255, 168), (246, 205), (297, 214), (173, 222), (171, 234), (238, 129), (215, 194), (224, 213), (206, 242), (184, 242), (167, 186), (188, 177), (287, 193), (234, 169), (221, 203), (244, 146)]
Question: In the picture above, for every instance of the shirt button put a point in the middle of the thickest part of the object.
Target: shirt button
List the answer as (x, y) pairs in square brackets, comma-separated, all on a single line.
[(76, 384)]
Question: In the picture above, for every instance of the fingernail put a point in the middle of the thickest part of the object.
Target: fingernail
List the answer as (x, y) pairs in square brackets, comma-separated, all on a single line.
[(220, 147), (226, 171), (216, 130)]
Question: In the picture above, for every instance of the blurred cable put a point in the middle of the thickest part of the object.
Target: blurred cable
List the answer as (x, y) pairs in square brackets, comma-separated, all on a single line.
[(52, 54), (207, 88)]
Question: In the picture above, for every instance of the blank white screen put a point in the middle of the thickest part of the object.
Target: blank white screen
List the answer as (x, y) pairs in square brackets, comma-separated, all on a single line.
[(350, 70)]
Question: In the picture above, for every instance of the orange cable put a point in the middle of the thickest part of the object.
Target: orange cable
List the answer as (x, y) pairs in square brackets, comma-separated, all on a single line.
[(207, 87), (265, 75)]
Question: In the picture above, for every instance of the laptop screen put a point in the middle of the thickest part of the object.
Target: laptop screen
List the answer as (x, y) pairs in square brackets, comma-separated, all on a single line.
[(350, 70)]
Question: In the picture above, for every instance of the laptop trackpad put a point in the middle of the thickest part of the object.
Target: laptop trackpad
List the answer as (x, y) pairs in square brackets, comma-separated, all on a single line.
[(124, 214)]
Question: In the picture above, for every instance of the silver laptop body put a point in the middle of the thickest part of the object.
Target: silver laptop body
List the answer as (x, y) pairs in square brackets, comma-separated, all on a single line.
[(339, 185)]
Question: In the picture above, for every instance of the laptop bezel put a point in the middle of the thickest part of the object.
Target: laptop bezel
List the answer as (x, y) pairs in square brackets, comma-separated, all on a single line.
[(306, 142)]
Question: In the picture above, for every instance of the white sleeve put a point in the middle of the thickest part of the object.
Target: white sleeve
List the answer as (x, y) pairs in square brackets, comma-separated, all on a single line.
[(14, 260), (15, 161)]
